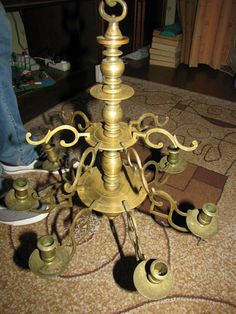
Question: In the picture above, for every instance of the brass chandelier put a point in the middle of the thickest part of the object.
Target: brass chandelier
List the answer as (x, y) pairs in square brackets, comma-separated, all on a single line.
[(118, 183)]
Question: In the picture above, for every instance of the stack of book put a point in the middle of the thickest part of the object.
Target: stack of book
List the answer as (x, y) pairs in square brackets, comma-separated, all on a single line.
[(165, 51)]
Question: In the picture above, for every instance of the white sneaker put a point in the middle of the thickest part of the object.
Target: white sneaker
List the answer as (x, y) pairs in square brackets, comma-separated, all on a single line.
[(35, 166), (21, 218)]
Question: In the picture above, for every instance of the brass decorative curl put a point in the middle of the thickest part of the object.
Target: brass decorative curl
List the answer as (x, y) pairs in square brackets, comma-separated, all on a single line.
[(139, 122), (137, 167), (69, 188), (51, 133), (152, 192), (111, 18), (173, 207), (157, 169), (111, 3), (146, 136), (54, 198), (72, 116)]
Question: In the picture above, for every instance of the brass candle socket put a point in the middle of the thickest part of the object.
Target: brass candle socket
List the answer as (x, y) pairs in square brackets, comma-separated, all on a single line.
[(208, 212), (52, 162), (152, 279), (203, 223), (20, 196), (47, 248), (21, 188), (158, 271), (49, 259), (173, 163), (173, 156)]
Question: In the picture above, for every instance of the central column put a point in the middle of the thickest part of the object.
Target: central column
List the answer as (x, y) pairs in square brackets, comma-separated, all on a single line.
[(108, 186), (111, 165), (112, 68)]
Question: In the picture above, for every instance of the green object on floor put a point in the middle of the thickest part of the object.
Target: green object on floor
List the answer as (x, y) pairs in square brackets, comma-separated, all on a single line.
[(171, 30), (29, 80)]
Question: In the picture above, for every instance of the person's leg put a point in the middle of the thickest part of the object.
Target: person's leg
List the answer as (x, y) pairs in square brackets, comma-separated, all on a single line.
[(14, 149)]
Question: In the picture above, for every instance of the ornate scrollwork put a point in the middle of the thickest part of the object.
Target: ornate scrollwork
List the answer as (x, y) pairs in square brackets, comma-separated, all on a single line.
[(54, 198), (139, 123), (146, 137), (137, 166), (89, 152), (155, 180), (173, 207), (72, 117), (153, 192), (51, 133)]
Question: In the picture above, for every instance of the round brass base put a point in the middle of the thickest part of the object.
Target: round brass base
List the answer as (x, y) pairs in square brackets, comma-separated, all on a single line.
[(151, 290), (44, 269), (107, 202), (179, 167), (14, 203), (202, 231)]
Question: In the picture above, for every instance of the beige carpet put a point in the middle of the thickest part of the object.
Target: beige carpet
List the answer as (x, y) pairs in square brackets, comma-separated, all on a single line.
[(99, 278)]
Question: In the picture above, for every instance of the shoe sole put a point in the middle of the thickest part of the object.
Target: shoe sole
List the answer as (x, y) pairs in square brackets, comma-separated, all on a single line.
[(25, 170), (21, 218), (26, 221)]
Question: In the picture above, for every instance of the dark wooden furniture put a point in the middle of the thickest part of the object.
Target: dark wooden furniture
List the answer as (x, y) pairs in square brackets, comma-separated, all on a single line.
[(68, 28), (20, 4), (64, 28)]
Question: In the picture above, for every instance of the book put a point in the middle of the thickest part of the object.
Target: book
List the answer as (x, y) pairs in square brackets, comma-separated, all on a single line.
[(166, 41), (165, 47), (157, 33), (170, 64), (165, 58), (161, 52)]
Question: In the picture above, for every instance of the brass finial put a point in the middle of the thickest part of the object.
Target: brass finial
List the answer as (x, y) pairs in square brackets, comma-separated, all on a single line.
[(113, 18)]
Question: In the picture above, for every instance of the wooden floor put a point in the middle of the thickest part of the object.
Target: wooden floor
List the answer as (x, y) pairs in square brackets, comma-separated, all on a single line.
[(202, 79)]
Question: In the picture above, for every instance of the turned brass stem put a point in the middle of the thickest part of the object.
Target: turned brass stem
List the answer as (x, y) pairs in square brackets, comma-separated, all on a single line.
[(112, 68), (51, 153), (173, 156), (47, 248), (208, 212), (111, 165), (112, 115), (21, 187)]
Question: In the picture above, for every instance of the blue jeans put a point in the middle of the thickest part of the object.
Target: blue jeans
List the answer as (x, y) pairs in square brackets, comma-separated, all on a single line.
[(14, 149)]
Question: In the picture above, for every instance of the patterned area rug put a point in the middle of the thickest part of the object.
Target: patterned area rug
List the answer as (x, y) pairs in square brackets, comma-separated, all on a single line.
[(99, 277)]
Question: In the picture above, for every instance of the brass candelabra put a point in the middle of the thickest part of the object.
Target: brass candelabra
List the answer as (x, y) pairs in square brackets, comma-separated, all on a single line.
[(119, 184)]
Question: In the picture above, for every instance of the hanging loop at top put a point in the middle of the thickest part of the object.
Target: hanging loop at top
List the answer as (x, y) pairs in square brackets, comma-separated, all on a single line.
[(113, 18)]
